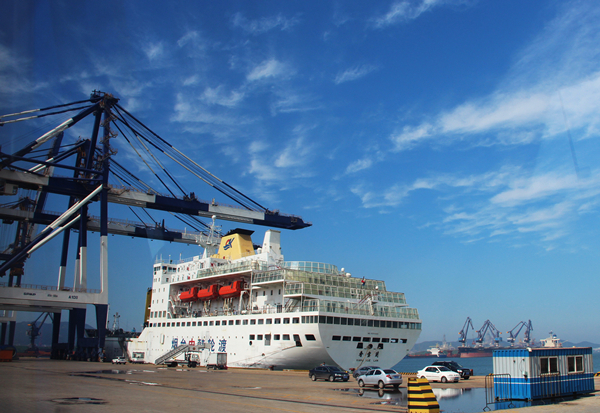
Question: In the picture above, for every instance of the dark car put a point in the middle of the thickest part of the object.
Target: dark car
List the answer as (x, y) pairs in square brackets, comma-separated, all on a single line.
[(363, 370), (331, 373), (454, 366)]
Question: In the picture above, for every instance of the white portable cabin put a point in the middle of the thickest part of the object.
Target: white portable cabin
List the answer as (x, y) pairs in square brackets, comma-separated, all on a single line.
[(540, 373)]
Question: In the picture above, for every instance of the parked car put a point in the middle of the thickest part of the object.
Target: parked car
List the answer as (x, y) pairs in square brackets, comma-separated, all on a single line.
[(119, 360), (331, 373), (381, 378), (465, 373), (438, 373), (363, 370)]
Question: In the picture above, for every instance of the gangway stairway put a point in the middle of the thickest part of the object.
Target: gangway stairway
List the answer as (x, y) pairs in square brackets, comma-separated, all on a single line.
[(171, 354)]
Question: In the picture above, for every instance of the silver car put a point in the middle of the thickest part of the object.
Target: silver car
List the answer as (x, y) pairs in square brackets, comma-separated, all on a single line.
[(363, 370), (380, 378)]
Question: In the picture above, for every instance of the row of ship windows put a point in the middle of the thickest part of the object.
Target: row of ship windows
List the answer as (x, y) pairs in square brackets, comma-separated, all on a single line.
[(295, 320)]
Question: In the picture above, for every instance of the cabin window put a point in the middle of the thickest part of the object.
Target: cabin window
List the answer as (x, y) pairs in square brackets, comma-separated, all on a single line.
[(211, 323), (359, 345), (261, 321), (322, 319), (296, 320), (548, 365), (252, 322), (355, 338), (193, 324), (237, 322), (311, 337), (269, 321), (178, 324), (366, 339), (245, 322), (205, 323), (286, 321), (369, 323), (224, 322), (346, 338), (336, 320), (575, 364), (376, 339), (217, 323), (271, 292), (267, 339), (286, 337), (259, 337), (189, 324), (329, 320), (278, 321), (276, 337), (350, 321), (280, 291), (380, 346), (251, 336), (395, 324), (375, 323), (297, 340), (343, 321), (335, 338), (387, 340), (264, 293)]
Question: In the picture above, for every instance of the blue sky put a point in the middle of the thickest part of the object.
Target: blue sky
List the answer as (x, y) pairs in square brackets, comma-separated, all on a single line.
[(427, 141)]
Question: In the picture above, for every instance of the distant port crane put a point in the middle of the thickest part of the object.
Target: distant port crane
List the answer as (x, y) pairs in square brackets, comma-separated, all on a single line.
[(462, 335), (512, 335), (493, 331)]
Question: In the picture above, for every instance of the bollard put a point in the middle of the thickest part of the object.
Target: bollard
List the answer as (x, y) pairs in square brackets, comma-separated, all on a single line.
[(420, 397)]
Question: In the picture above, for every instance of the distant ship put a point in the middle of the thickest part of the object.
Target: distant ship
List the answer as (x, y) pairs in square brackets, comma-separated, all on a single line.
[(245, 301), (470, 352)]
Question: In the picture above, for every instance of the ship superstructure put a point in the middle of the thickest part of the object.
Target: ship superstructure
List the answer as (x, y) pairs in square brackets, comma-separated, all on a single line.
[(265, 312)]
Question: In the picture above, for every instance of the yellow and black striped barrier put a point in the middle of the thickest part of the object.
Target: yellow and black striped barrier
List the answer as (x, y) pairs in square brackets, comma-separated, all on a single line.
[(420, 397)]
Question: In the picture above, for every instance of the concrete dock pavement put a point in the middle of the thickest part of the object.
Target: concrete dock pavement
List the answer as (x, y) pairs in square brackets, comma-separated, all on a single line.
[(43, 385)]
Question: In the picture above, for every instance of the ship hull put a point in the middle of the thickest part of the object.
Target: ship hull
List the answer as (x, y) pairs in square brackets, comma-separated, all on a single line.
[(470, 352), (305, 345)]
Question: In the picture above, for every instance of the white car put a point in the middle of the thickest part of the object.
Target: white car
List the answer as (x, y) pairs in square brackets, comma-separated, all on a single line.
[(119, 360), (438, 373)]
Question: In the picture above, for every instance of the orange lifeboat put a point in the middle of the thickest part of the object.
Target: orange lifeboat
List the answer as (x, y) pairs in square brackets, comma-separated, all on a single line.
[(190, 295), (232, 290), (208, 293)]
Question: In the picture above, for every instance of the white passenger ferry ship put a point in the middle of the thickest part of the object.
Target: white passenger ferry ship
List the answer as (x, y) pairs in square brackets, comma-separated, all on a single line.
[(264, 312)]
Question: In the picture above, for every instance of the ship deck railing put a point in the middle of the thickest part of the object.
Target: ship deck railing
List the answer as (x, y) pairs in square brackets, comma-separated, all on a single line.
[(363, 294), (308, 306)]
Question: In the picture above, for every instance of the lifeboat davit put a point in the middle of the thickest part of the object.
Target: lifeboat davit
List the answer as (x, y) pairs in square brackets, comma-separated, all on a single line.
[(190, 295), (232, 290), (208, 293)]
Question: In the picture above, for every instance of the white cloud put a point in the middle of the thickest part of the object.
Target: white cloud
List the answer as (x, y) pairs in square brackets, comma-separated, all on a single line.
[(218, 96), (552, 86), (403, 10), (502, 203), (154, 50), (354, 73), (271, 68), (359, 165), (266, 24)]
